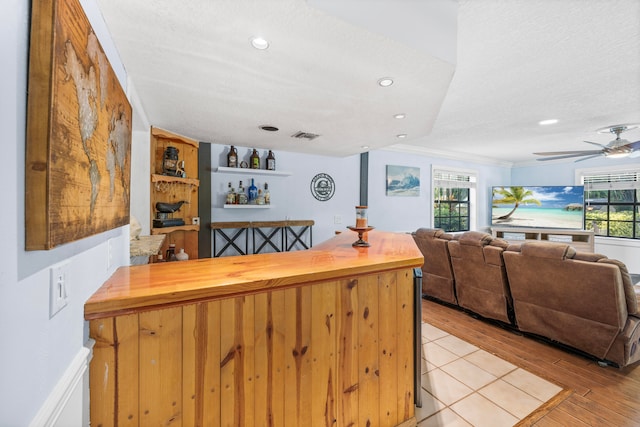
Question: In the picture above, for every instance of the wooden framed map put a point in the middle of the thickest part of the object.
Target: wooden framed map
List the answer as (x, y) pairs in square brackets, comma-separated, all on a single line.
[(78, 158)]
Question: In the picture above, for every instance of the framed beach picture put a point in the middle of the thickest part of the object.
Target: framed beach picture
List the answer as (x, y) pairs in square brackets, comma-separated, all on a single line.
[(403, 181)]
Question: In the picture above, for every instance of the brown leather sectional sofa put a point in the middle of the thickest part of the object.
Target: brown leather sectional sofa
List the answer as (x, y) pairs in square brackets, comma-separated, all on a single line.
[(581, 300)]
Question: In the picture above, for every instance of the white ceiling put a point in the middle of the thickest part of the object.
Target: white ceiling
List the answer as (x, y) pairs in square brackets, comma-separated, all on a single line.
[(518, 62)]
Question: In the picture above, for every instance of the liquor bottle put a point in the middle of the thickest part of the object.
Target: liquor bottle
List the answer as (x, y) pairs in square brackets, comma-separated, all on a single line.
[(253, 193), (241, 196), (254, 160), (231, 196), (267, 195), (260, 199), (171, 252), (232, 158), (271, 161)]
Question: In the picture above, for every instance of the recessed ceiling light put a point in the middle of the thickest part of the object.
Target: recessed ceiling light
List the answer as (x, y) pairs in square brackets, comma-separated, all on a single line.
[(385, 81), (364, 147), (259, 43), (548, 122), (269, 128), (402, 135), (400, 116)]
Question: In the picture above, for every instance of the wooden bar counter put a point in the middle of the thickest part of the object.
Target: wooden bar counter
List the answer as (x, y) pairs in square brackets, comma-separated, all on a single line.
[(321, 337)]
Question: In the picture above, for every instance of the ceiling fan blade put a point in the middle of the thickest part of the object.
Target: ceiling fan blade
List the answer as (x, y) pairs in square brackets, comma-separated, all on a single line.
[(595, 143), (593, 153), (587, 158), (576, 152), (634, 145)]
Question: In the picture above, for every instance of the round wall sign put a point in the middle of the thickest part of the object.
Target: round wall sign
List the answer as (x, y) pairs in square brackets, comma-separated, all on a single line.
[(323, 187)]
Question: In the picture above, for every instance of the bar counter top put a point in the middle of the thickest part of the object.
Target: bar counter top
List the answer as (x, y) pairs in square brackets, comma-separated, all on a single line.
[(145, 287)]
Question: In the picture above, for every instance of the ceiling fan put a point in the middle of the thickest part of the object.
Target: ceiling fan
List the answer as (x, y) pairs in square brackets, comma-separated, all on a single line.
[(615, 149)]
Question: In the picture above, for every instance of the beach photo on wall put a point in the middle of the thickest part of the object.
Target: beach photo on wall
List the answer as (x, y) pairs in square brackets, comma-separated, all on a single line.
[(538, 206), (403, 181)]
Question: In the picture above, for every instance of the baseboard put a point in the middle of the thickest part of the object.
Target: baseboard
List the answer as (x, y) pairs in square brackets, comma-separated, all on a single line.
[(71, 384)]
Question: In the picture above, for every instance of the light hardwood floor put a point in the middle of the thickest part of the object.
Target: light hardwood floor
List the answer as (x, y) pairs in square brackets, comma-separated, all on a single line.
[(592, 395)]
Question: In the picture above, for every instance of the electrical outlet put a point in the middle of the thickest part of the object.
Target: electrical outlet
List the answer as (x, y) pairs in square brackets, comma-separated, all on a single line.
[(58, 288), (337, 219)]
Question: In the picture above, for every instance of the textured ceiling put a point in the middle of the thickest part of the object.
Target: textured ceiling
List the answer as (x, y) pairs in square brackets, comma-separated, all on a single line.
[(518, 62)]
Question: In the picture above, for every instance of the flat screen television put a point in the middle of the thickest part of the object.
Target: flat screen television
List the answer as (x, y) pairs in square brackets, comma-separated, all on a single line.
[(550, 206)]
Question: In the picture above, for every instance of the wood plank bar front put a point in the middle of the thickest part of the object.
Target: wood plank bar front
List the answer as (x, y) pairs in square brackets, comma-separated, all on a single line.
[(321, 337)]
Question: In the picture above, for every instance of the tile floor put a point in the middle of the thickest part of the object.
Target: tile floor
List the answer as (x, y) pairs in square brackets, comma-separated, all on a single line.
[(463, 385)]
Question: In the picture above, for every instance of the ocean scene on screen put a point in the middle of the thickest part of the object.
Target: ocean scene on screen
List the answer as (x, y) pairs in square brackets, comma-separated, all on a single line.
[(538, 206)]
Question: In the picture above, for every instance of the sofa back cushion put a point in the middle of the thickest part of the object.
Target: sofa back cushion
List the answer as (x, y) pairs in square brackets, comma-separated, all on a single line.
[(437, 274), (559, 295)]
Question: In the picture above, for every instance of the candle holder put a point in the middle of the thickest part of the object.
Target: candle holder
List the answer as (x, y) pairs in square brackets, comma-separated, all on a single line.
[(360, 230)]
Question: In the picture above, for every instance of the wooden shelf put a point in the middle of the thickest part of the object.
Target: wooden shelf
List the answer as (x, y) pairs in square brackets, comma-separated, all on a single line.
[(247, 171), (167, 230), (581, 240), (248, 206), (155, 177)]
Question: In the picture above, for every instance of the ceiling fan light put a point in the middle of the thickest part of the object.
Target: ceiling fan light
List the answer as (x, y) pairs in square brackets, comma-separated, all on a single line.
[(619, 155)]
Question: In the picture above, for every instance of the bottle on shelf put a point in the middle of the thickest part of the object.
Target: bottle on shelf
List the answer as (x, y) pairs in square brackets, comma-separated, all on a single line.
[(271, 161), (231, 196), (241, 195), (253, 193), (182, 255), (260, 199), (254, 160), (232, 157), (171, 252), (267, 195)]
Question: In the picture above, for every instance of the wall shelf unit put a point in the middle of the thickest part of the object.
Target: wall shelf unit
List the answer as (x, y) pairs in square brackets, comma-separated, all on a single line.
[(247, 171), (172, 189), (247, 206), (581, 240)]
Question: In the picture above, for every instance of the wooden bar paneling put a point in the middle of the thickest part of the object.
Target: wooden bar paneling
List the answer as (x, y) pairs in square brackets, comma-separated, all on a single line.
[(331, 353), (336, 351), (127, 362), (369, 386)]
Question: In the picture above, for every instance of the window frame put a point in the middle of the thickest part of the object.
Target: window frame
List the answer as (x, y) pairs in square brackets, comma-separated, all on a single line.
[(611, 179), (471, 185)]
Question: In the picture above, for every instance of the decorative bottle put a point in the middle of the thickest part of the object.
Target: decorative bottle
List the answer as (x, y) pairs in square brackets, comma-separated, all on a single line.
[(182, 255), (254, 160), (253, 193), (271, 161), (232, 158), (231, 196), (267, 195), (241, 196)]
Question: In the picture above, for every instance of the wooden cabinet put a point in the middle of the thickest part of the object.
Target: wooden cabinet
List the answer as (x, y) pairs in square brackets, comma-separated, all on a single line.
[(581, 240), (174, 189)]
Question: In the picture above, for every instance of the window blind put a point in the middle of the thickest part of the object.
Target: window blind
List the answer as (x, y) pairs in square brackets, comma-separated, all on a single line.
[(612, 180), (453, 179)]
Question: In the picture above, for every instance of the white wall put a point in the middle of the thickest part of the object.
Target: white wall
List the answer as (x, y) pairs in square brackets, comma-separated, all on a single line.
[(291, 196), (37, 351), (406, 214)]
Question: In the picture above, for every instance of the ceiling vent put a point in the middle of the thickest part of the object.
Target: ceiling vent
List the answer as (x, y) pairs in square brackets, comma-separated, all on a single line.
[(304, 135)]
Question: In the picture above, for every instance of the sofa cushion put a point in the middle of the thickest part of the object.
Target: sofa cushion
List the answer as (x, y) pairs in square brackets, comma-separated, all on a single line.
[(475, 238), (547, 250), (630, 291)]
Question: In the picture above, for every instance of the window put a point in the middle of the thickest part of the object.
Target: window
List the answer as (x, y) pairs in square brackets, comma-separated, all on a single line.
[(454, 193), (612, 202)]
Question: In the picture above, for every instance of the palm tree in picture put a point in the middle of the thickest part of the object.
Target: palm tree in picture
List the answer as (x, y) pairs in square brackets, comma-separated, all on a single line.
[(513, 195)]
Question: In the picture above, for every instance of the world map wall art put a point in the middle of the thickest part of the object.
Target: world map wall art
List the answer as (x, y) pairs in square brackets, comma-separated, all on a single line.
[(78, 148)]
